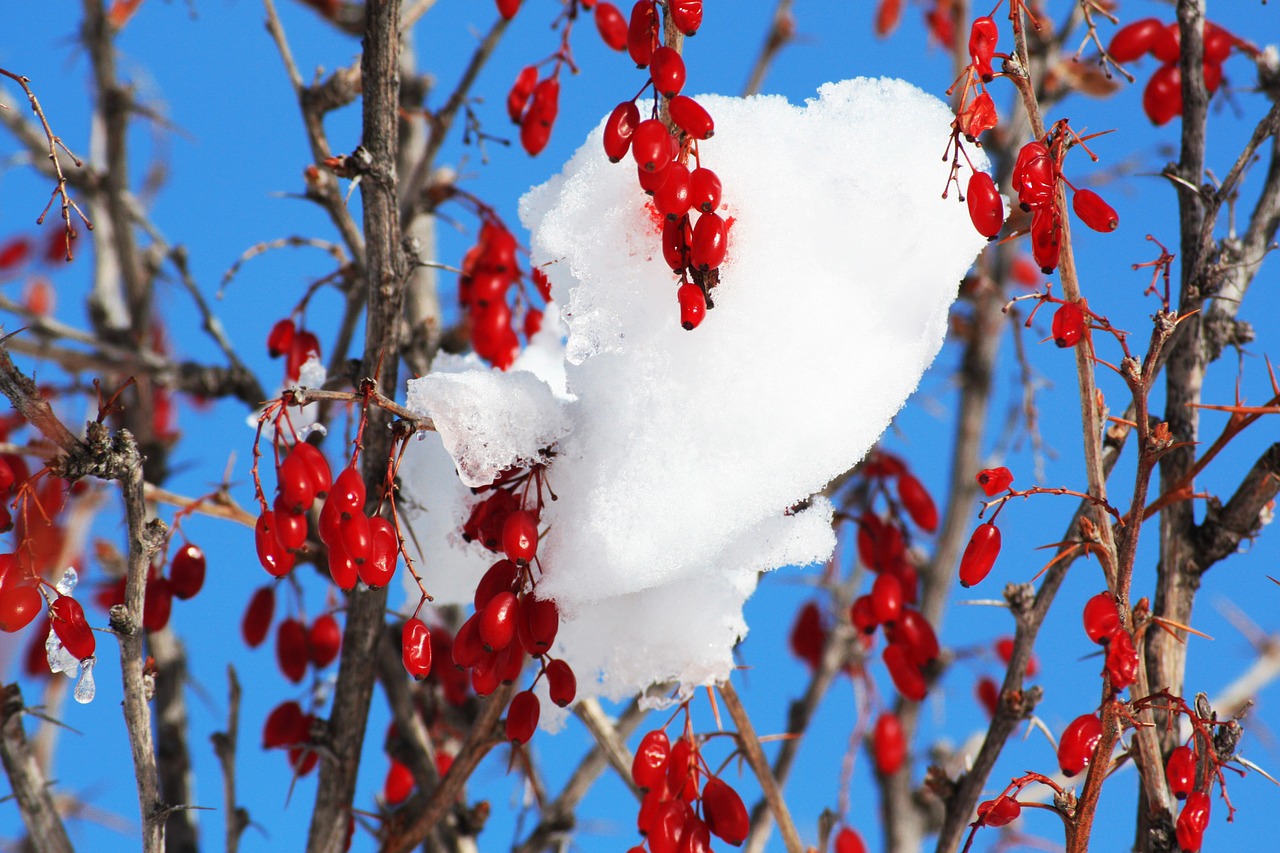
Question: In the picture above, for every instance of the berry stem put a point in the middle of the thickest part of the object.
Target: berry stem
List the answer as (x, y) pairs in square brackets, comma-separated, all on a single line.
[(750, 746)]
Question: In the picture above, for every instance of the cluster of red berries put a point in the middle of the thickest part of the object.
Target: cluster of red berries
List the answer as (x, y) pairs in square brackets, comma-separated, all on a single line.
[(680, 811), (1180, 771), (695, 237), (289, 727), (297, 644), (533, 104), (984, 545), (1102, 624), (490, 269), (296, 345), (185, 579), (1162, 98)]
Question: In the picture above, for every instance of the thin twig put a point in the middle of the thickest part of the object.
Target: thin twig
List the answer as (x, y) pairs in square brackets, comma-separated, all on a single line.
[(750, 746)]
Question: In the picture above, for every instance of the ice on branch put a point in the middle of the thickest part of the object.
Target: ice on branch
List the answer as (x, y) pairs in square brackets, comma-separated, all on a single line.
[(683, 456)]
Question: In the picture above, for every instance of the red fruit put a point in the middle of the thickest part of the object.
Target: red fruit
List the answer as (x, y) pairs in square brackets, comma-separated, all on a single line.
[(532, 323), (651, 145), (988, 694), (1034, 177), (1192, 821), (1167, 46), (357, 539), (1068, 324), (468, 649), (518, 96), (690, 117), (286, 725), (983, 36), (888, 744), (905, 672), (918, 503), (562, 684), (348, 494), (186, 572), (1080, 739), (682, 773), (1180, 770), (398, 784), (651, 182), (303, 346), (271, 553), (497, 624), (342, 568), (539, 623), (862, 615), (1162, 98), (808, 636), (280, 338), (642, 32), (994, 480), (849, 841), (612, 26), (1101, 618), (725, 814), (508, 8), (915, 635), (158, 605), (886, 598), (1046, 238), (619, 128), (384, 552), (522, 716), (1094, 212), (520, 536), (649, 767), (291, 528), (693, 306), (978, 117), (291, 649), (675, 245), (710, 242), (257, 616), (324, 641), (999, 812), (686, 15), (980, 554), (1218, 44), (501, 577), (986, 207), (666, 70), (68, 622), (1135, 40), (704, 190), (534, 136), (302, 760), (672, 198), (297, 490), (415, 648), (1122, 660), (317, 467)]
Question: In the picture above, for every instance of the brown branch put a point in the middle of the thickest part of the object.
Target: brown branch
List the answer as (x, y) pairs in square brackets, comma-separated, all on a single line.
[(1226, 527), (173, 753), (782, 31), (749, 743), (26, 780), (224, 746)]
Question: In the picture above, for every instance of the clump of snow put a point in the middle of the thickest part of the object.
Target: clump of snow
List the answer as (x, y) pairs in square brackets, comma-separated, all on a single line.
[(682, 454)]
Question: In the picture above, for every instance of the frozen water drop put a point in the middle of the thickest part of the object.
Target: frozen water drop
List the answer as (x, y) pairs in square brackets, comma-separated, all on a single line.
[(85, 688), (67, 583)]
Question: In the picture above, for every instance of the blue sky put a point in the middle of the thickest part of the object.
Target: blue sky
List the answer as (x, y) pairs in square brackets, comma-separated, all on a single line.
[(234, 151)]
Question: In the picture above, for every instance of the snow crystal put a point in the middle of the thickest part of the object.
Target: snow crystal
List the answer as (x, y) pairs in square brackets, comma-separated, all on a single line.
[(684, 456)]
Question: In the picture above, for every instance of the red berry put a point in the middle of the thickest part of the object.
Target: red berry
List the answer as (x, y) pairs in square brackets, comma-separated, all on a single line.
[(693, 306), (1094, 212), (1079, 740), (317, 467), (303, 346), (675, 245), (1122, 660), (324, 641), (1034, 177), (1135, 40), (342, 568), (508, 8), (280, 338), (704, 190), (518, 96), (651, 145), (1180, 770), (1068, 324), (186, 572), (983, 36), (271, 553), (710, 242), (726, 815), (918, 503), (286, 725), (690, 117), (415, 648), (1162, 98), (888, 744), (808, 636), (649, 767), (686, 15), (618, 130), (886, 598), (297, 489), (988, 694), (1218, 44), (258, 615), (642, 32), (158, 604), (384, 553), (348, 494), (849, 841), (398, 784), (1046, 238), (291, 649), (498, 621), (68, 622), (915, 635), (467, 646), (1167, 46), (1192, 821), (357, 538), (562, 684), (862, 615), (980, 554), (1101, 617), (522, 716), (520, 536), (501, 577), (999, 812), (672, 198), (1004, 650), (994, 480), (986, 207), (538, 625), (905, 672), (666, 70), (612, 26)]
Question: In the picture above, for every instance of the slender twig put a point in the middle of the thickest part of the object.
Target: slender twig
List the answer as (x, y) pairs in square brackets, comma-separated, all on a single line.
[(782, 31), (749, 743), (224, 746), (30, 789)]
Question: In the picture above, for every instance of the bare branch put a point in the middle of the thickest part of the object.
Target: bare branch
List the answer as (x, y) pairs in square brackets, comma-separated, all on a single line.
[(35, 804)]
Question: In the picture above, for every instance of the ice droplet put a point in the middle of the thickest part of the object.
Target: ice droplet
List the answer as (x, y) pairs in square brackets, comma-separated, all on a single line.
[(85, 688), (60, 660), (67, 584)]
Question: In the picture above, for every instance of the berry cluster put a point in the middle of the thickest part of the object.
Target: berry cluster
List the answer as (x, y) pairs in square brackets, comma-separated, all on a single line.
[(296, 345), (686, 200), (533, 104), (679, 810), (1102, 624), (490, 269), (289, 727), (1162, 98)]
